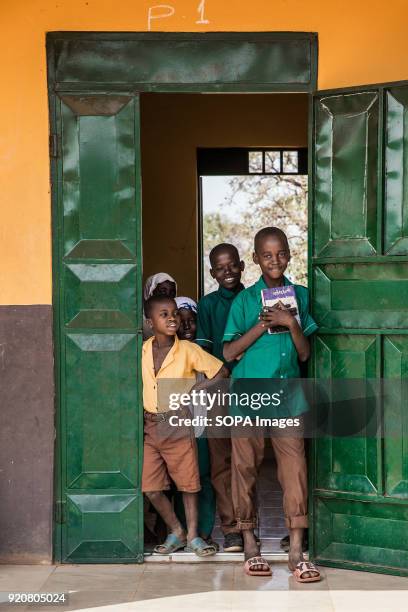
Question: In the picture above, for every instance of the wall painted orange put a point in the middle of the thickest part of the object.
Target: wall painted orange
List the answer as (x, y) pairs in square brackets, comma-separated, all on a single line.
[(360, 42)]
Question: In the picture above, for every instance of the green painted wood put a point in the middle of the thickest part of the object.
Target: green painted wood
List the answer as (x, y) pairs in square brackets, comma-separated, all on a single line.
[(99, 275), (369, 535), (185, 61), (345, 174), (396, 416), (341, 291), (346, 464), (396, 168), (360, 300)]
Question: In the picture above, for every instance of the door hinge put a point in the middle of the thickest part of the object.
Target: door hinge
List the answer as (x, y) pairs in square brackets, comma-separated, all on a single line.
[(59, 512), (54, 145)]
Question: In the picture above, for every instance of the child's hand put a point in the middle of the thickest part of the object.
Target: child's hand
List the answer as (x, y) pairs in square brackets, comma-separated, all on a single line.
[(274, 317)]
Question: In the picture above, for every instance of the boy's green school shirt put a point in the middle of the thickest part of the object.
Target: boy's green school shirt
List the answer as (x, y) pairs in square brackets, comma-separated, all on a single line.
[(272, 355), (213, 310)]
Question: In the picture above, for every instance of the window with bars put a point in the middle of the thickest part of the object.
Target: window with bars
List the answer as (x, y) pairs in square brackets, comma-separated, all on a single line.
[(241, 161), (273, 162)]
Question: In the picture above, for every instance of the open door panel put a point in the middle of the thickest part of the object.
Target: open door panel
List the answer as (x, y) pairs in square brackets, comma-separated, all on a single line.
[(99, 505), (359, 280)]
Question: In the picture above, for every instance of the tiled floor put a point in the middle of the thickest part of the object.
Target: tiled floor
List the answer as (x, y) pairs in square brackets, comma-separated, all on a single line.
[(222, 587)]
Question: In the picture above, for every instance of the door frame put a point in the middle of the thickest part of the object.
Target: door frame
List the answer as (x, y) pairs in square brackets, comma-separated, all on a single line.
[(60, 44)]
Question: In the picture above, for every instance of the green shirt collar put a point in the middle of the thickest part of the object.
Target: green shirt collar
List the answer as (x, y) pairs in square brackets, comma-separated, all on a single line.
[(228, 294)]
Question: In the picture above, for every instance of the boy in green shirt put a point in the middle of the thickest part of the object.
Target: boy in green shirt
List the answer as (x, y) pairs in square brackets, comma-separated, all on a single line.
[(213, 310), (270, 356)]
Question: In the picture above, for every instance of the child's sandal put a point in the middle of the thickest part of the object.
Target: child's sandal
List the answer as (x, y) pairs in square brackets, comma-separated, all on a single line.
[(200, 547), (171, 544)]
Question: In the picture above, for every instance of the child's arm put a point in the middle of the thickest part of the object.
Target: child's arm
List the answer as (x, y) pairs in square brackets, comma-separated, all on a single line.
[(237, 337), (272, 318), (201, 361), (275, 317), (235, 348), (223, 372)]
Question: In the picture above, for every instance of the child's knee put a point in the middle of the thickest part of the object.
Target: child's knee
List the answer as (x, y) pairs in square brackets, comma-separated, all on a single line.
[(153, 495)]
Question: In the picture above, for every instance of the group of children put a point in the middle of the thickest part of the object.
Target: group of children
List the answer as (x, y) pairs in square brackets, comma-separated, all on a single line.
[(225, 335)]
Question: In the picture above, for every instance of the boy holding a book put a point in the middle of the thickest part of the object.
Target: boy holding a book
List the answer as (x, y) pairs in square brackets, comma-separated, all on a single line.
[(271, 356)]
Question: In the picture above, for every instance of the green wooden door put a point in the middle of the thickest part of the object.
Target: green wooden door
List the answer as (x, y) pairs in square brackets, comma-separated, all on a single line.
[(359, 268), (99, 510)]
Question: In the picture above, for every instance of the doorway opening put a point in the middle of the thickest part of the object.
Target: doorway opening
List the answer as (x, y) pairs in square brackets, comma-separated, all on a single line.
[(216, 168), (242, 190)]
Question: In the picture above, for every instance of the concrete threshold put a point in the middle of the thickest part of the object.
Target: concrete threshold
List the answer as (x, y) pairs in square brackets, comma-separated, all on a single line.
[(183, 557)]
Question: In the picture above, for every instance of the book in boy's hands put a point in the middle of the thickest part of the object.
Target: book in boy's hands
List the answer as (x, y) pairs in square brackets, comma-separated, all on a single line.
[(282, 298)]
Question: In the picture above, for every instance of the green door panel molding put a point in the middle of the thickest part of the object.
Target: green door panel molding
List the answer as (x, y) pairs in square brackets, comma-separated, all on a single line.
[(345, 174), (396, 172), (213, 61)]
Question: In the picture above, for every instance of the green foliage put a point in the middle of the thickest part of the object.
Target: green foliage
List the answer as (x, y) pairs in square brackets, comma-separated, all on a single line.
[(260, 201)]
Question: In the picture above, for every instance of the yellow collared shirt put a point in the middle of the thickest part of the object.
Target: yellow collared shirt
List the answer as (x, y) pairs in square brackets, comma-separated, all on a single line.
[(181, 364)]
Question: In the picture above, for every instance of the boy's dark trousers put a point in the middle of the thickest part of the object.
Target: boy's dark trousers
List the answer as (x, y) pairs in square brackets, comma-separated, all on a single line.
[(220, 457), (247, 456)]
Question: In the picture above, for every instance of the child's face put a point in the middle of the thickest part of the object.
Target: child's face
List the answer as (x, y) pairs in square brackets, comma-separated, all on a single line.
[(272, 255), (164, 318), (227, 269), (165, 288), (188, 324)]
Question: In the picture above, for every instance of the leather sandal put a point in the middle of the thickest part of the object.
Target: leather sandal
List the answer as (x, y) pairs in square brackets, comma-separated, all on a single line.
[(305, 567), (252, 562)]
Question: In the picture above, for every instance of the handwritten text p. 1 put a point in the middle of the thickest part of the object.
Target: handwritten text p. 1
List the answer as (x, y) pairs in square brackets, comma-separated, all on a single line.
[(164, 11)]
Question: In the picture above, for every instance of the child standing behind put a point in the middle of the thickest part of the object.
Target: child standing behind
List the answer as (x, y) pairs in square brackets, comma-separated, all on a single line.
[(187, 309), (270, 356), (167, 454), (157, 284), (213, 310)]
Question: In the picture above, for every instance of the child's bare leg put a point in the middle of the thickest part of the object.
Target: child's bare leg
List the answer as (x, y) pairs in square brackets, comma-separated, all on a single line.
[(165, 508), (190, 501), (296, 551), (295, 547), (251, 547)]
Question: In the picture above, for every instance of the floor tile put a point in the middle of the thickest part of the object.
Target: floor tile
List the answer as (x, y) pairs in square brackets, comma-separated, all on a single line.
[(340, 579), (83, 600), (369, 601), (282, 601), (24, 577), (214, 602), (94, 578), (221, 587), (171, 580)]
